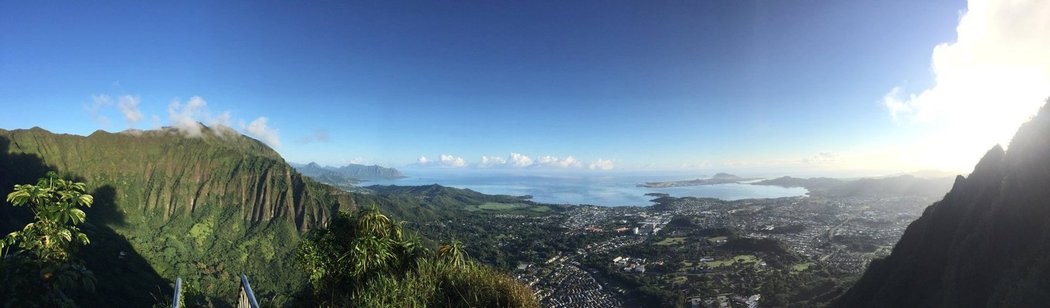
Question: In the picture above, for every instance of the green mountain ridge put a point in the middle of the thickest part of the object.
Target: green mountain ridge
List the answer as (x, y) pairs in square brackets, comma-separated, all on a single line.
[(894, 185), (205, 208), (985, 244)]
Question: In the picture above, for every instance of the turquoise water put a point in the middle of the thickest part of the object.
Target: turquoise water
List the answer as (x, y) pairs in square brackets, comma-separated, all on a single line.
[(605, 190)]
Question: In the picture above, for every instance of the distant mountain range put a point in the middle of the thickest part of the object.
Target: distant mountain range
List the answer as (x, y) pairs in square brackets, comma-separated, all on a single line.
[(718, 178), (901, 185), (348, 175), (986, 244)]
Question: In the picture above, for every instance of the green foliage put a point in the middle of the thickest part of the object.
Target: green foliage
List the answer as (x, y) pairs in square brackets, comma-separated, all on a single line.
[(205, 209), (54, 203), (368, 261), (38, 264), (452, 253)]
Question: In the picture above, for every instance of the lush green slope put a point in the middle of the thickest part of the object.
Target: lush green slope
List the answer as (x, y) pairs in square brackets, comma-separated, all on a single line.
[(368, 260), (204, 208), (440, 197), (987, 243)]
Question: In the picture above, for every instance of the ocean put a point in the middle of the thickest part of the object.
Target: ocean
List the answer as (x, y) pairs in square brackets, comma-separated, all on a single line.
[(593, 189)]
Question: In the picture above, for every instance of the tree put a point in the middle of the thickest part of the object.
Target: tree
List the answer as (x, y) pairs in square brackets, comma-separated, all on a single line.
[(453, 253), (369, 261), (38, 261), (354, 250)]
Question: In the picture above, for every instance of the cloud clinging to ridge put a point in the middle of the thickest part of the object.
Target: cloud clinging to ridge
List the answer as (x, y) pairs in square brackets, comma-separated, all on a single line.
[(183, 117), (260, 128)]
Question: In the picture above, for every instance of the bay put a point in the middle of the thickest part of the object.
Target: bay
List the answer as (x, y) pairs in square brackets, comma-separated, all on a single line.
[(593, 189)]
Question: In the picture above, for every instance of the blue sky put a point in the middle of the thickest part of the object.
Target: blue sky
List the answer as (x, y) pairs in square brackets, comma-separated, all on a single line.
[(791, 85)]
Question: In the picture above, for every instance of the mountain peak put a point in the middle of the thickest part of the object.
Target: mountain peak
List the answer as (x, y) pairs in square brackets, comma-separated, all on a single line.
[(723, 175), (984, 244)]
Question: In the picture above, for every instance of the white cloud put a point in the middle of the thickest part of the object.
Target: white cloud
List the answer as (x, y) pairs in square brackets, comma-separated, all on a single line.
[(520, 161), (259, 128), (453, 161), (601, 164), (993, 77), (821, 158), (492, 161), (423, 160), (187, 118), (895, 104), (223, 119), (93, 110), (184, 117), (359, 160), (129, 106), (567, 162)]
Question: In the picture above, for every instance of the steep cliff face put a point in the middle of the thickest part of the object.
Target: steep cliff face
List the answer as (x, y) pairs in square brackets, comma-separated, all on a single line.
[(160, 174), (987, 243), (205, 208)]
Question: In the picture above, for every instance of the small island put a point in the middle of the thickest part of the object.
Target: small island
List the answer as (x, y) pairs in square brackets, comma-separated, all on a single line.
[(719, 178)]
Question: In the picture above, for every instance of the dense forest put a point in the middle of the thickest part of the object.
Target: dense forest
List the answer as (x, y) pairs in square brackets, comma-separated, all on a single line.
[(206, 208)]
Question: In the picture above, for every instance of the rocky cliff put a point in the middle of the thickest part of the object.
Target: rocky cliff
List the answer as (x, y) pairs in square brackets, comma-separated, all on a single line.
[(205, 207), (987, 243)]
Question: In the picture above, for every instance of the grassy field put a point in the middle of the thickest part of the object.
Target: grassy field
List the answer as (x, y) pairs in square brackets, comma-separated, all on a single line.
[(801, 267), (734, 260), (508, 207), (713, 240), (671, 241)]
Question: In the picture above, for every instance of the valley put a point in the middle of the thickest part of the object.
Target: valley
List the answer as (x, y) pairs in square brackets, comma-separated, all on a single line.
[(181, 222), (788, 251)]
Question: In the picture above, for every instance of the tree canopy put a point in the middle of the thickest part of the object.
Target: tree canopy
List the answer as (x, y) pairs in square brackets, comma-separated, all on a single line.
[(38, 262), (370, 261)]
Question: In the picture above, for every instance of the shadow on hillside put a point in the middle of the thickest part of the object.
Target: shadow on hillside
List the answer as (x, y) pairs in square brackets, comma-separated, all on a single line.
[(104, 211), (16, 168), (124, 278)]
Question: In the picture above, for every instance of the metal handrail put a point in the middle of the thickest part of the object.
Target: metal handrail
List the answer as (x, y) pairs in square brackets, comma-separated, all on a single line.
[(178, 293), (247, 297)]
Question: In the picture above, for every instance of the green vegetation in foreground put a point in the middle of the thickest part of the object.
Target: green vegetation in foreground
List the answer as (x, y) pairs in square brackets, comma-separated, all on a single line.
[(204, 208), (38, 263), (369, 261)]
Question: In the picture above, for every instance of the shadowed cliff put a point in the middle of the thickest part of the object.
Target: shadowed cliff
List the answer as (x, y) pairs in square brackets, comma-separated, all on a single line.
[(987, 243), (205, 208)]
